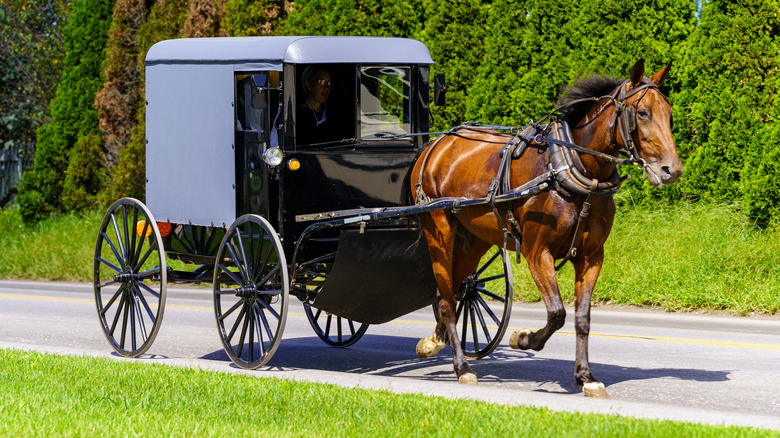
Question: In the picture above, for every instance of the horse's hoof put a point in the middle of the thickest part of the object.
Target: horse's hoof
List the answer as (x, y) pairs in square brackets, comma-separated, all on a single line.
[(595, 389), (429, 347), (519, 339), (468, 379)]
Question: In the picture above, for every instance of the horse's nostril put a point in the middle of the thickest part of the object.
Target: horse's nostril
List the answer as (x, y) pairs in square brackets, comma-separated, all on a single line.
[(666, 172)]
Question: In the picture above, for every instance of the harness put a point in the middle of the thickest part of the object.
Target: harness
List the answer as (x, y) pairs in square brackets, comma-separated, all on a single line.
[(563, 169)]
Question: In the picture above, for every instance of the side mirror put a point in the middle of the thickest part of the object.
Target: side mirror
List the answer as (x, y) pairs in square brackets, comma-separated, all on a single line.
[(439, 89)]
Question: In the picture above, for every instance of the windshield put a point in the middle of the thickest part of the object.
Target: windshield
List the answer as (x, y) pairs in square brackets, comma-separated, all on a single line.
[(385, 108)]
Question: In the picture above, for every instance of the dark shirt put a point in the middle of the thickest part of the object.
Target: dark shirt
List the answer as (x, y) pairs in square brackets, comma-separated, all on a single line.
[(308, 130)]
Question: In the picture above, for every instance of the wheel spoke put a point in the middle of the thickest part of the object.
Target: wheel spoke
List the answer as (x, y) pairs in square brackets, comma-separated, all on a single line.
[(230, 274), (258, 315), (487, 308), (474, 327), (484, 291), (252, 322), (338, 328), (106, 283), (488, 263), (241, 315), (127, 238), (491, 278), (144, 302), (140, 317), (231, 310), (131, 310), (244, 261), (481, 317), (125, 311), (270, 309), (148, 289), (109, 264), (268, 276), (132, 230), (235, 260), (111, 301), (141, 240), (243, 332), (261, 266), (267, 327), (118, 238), (327, 325), (119, 257), (152, 247), (119, 310)]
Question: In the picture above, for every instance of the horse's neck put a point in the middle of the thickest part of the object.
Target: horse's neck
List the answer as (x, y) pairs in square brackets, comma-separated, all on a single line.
[(594, 132)]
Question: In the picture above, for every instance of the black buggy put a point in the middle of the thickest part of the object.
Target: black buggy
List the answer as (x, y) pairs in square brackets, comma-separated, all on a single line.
[(235, 198)]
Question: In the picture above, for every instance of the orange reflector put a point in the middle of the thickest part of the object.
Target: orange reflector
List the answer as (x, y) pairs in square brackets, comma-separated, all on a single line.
[(139, 229), (293, 164), (164, 227)]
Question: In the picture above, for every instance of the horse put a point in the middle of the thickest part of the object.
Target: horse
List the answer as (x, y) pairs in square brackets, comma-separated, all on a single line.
[(606, 116)]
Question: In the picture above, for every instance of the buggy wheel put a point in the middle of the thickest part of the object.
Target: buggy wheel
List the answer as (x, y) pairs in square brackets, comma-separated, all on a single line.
[(251, 291), (484, 305), (130, 277), (332, 329)]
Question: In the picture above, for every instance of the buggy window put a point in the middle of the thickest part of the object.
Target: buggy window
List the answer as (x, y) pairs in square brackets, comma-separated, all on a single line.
[(385, 106)]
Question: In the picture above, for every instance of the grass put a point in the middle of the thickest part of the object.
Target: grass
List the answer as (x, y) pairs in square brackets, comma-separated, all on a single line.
[(50, 395), (679, 258)]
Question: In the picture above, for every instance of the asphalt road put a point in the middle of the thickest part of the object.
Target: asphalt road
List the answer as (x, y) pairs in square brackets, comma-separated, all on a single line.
[(690, 367)]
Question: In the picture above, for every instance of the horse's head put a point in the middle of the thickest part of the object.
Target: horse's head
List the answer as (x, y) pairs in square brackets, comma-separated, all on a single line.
[(645, 123)]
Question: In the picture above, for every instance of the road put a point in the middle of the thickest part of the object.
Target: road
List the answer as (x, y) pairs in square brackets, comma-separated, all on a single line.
[(690, 367)]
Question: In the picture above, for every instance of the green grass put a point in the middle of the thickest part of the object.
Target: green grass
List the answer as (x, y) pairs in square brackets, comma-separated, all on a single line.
[(49, 395), (679, 258)]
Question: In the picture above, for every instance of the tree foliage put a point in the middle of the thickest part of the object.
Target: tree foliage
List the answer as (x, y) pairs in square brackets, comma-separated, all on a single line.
[(505, 62), (73, 111), (30, 66), (352, 17), (726, 111)]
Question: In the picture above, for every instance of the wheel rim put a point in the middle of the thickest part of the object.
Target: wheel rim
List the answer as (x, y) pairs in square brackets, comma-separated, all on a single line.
[(482, 325), (332, 329), (251, 291), (130, 277)]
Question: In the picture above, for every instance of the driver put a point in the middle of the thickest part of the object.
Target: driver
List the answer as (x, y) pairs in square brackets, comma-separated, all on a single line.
[(315, 123)]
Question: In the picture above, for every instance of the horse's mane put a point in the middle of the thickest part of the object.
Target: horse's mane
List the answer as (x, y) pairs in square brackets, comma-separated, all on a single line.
[(583, 88)]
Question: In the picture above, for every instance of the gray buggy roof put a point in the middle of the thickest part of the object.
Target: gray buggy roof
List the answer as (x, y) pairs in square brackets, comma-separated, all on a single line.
[(290, 49)]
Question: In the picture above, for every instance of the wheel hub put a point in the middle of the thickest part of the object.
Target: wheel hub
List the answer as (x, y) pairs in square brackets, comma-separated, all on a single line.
[(125, 277), (247, 291), (467, 289)]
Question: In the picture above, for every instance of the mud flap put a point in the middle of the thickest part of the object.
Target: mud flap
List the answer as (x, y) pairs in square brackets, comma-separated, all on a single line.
[(378, 275)]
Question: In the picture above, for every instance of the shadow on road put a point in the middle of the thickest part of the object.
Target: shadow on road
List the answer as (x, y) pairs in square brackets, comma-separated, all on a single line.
[(394, 356)]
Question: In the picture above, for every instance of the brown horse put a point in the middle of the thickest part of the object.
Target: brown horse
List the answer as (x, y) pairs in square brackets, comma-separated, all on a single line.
[(630, 116)]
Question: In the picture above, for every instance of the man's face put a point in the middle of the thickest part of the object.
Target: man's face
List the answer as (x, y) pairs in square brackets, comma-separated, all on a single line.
[(318, 86)]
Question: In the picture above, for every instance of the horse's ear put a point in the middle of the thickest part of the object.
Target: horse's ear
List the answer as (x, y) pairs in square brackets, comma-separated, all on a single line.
[(660, 76), (638, 72)]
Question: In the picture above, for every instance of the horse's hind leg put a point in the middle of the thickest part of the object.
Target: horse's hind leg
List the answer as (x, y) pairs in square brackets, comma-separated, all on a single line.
[(444, 252), (542, 267)]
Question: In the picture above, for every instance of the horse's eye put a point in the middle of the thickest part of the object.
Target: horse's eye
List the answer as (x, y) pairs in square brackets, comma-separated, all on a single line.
[(643, 114)]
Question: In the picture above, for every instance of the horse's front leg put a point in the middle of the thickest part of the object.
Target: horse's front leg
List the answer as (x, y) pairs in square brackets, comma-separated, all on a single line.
[(542, 267), (586, 271)]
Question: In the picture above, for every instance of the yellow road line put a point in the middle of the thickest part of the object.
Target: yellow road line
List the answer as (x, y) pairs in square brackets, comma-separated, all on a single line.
[(509, 329)]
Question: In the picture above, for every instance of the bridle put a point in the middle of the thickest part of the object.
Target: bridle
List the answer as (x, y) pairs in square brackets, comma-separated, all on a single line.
[(625, 115)]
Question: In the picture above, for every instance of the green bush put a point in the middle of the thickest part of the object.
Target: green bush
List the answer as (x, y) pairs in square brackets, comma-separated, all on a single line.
[(86, 175), (73, 111)]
